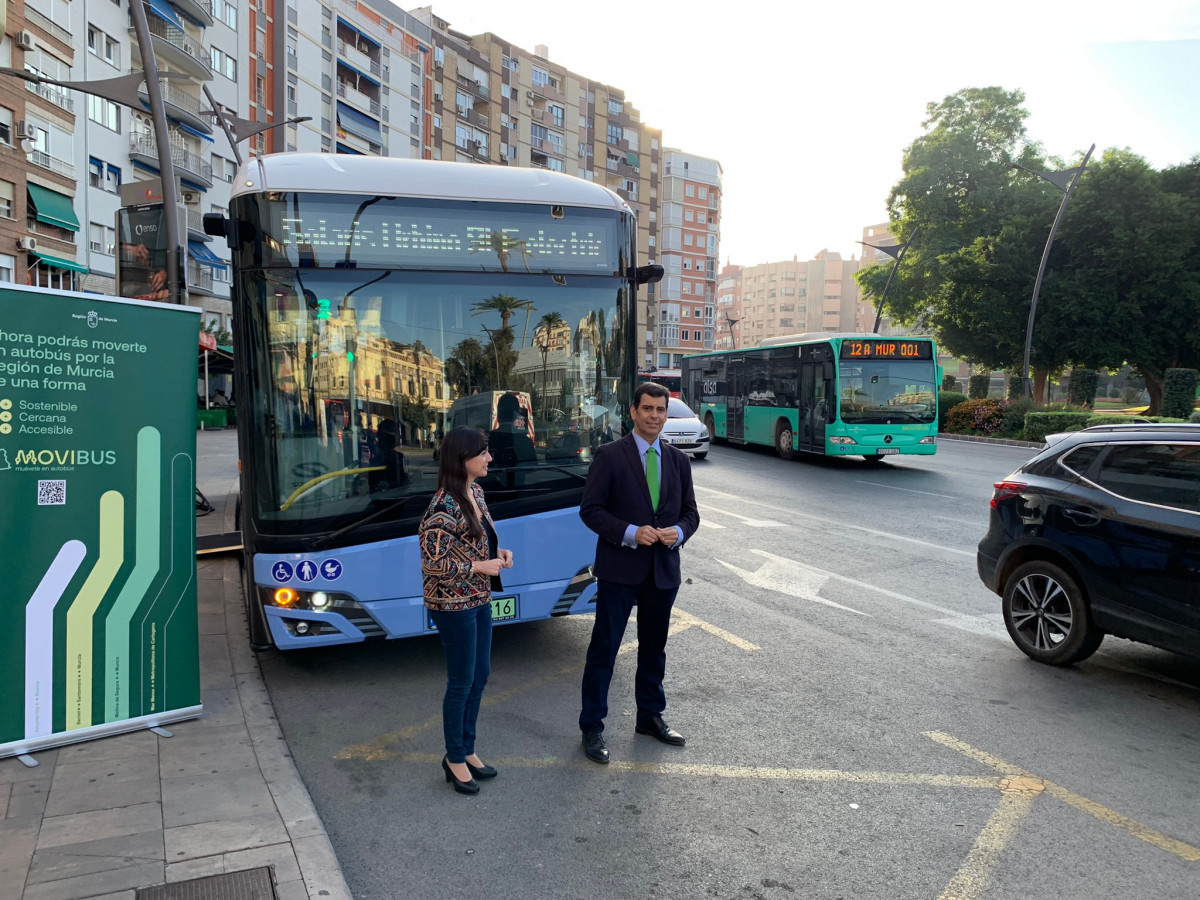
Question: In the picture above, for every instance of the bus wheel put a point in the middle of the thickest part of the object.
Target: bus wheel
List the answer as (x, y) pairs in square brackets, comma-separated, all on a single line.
[(784, 441), (711, 426)]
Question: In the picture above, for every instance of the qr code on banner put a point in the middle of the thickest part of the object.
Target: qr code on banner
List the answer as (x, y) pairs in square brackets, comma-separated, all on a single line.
[(52, 493)]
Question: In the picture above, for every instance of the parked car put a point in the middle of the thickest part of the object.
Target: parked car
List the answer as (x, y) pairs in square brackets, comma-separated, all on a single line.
[(1099, 534), (684, 430), (1135, 423)]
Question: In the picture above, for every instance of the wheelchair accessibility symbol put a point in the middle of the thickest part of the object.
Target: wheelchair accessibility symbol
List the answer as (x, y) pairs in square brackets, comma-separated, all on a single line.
[(281, 572)]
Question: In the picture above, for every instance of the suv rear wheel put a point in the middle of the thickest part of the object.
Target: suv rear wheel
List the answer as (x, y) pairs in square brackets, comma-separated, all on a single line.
[(1046, 615)]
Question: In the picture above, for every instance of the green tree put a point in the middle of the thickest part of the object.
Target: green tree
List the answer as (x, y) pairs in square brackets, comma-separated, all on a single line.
[(542, 335), (503, 245), (466, 369), (1126, 280)]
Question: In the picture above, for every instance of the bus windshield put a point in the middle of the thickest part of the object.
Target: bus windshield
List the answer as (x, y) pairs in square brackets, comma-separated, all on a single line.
[(887, 392), (356, 373)]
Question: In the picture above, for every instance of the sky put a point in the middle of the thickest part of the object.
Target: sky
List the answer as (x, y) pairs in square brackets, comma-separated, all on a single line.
[(809, 107)]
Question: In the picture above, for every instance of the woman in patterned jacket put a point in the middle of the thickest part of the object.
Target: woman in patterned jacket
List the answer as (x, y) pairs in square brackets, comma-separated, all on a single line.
[(460, 565)]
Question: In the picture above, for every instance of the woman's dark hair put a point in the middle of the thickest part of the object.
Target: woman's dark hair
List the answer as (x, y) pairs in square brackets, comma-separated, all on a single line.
[(459, 445)]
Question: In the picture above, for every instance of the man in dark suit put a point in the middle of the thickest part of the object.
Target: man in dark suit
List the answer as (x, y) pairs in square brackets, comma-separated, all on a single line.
[(639, 500)]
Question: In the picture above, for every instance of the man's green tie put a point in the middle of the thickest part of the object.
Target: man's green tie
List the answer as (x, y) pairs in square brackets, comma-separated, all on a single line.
[(652, 476)]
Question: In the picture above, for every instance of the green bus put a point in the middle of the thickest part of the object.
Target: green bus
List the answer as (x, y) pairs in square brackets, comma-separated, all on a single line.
[(833, 394)]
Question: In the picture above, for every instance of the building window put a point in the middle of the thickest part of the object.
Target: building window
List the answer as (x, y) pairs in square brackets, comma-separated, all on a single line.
[(509, 63), (614, 134), (690, 190), (101, 45), (95, 173), (558, 114), (540, 77), (8, 267), (225, 11), (615, 106), (102, 239), (224, 63), (104, 112), (703, 193), (688, 216), (7, 192)]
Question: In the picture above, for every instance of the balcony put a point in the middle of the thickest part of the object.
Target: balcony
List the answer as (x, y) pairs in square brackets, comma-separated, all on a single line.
[(53, 163), (200, 10), (56, 95), (482, 91), (181, 106), (195, 225), (358, 59), (199, 279), (186, 163), (175, 47), (43, 22), (357, 97)]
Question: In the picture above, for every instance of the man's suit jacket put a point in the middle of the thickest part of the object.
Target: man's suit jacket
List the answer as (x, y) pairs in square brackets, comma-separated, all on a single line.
[(617, 496)]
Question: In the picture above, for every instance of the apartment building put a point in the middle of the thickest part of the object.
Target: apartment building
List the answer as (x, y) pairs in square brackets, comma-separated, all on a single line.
[(69, 160), (797, 297), (494, 102), (729, 308), (362, 69), (689, 223)]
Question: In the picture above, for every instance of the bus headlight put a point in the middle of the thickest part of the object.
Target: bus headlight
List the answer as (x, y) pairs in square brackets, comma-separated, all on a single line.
[(320, 601), (930, 439), (842, 440)]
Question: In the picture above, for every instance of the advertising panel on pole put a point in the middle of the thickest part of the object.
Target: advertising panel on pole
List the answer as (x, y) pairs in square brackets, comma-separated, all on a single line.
[(97, 493), (142, 256)]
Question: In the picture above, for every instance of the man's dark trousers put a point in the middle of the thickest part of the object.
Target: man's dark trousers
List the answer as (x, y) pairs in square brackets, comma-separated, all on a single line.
[(614, 602)]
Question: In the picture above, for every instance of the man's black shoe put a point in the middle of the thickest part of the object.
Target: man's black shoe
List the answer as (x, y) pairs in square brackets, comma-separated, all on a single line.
[(595, 748), (660, 730)]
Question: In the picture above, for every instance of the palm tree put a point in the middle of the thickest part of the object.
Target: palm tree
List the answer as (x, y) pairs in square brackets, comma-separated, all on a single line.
[(505, 304)]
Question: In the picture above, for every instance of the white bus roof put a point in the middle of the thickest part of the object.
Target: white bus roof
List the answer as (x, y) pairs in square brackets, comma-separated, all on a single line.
[(343, 173)]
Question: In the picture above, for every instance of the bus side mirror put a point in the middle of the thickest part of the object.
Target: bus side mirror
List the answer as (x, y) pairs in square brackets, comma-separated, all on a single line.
[(648, 274), (216, 224)]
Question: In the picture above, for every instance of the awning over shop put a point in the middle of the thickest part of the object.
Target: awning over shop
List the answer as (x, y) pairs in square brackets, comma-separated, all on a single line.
[(60, 263), (166, 12), (366, 76), (632, 158), (359, 124), (208, 341), (52, 207), (196, 132), (199, 251)]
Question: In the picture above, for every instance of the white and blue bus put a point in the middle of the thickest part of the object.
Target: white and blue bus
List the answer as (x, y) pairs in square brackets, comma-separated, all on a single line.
[(372, 297)]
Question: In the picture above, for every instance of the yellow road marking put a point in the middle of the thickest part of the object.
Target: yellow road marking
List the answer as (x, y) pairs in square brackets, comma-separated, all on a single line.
[(378, 747), (1083, 804), (698, 770), (972, 877)]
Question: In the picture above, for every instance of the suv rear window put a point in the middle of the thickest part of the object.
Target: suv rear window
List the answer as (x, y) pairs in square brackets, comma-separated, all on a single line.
[(1163, 474)]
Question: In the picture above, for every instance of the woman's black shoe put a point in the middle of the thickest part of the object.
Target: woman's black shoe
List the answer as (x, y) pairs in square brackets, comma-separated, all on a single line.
[(482, 771), (462, 787)]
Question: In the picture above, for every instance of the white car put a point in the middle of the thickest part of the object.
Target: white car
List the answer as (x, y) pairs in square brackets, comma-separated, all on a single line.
[(684, 430)]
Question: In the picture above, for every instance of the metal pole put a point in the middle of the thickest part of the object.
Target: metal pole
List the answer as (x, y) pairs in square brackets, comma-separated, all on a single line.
[(237, 156), (162, 137), (1037, 285), (206, 403)]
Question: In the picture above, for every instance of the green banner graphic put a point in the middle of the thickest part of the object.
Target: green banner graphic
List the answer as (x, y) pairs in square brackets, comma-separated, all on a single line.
[(97, 516)]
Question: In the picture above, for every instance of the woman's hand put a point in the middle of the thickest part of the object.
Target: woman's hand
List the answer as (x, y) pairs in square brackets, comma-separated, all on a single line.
[(487, 567), (506, 558)]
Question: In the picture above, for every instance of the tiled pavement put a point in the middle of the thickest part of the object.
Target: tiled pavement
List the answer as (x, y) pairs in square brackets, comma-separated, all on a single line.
[(102, 818)]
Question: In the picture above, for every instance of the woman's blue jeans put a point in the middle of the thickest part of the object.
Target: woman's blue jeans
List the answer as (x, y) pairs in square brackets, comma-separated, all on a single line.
[(467, 642)]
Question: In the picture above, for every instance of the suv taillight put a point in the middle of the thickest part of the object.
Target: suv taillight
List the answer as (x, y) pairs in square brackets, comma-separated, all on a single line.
[(1004, 490)]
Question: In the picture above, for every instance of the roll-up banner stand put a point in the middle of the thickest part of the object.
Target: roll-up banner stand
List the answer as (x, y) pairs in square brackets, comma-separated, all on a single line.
[(97, 517)]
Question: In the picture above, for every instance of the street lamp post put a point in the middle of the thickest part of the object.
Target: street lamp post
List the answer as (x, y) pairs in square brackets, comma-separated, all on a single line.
[(124, 90), (1065, 181), (238, 129), (495, 352), (896, 252)]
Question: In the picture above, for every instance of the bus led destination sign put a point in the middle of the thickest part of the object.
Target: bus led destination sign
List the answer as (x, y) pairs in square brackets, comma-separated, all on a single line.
[(888, 348)]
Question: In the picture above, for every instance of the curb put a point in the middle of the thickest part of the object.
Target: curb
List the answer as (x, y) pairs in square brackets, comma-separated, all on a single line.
[(319, 867), (1005, 442)]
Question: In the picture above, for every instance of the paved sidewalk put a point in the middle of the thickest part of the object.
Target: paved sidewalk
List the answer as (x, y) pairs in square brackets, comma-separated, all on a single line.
[(105, 817)]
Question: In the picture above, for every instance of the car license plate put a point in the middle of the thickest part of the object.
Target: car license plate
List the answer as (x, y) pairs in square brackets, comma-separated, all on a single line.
[(503, 610), (883, 451)]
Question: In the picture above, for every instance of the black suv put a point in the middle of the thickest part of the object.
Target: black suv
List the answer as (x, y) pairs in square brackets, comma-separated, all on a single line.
[(1099, 534)]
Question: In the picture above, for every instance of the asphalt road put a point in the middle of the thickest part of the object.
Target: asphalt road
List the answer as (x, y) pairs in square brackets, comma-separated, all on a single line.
[(858, 724)]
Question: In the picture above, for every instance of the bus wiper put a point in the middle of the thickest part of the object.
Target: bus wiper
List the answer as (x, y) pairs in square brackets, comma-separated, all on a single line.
[(322, 542)]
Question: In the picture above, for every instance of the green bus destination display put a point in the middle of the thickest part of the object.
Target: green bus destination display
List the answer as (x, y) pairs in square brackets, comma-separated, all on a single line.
[(326, 231), (886, 348)]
